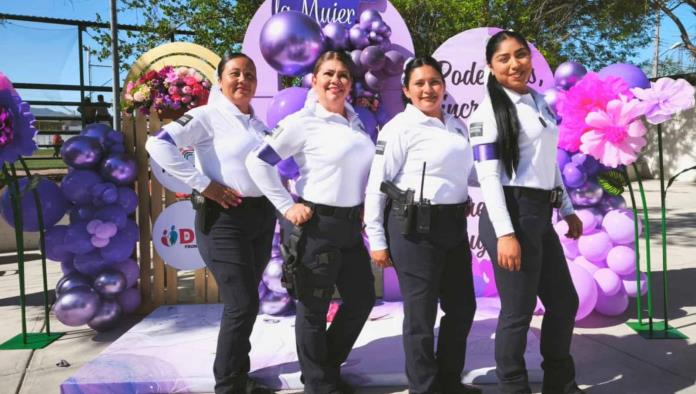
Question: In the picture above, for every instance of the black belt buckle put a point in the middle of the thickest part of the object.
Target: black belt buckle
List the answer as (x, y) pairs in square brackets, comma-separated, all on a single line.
[(556, 197)]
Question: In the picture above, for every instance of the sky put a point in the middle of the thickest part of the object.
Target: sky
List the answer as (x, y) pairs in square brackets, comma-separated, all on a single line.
[(45, 53)]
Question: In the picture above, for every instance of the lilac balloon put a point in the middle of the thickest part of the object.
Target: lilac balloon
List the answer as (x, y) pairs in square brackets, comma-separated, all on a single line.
[(81, 152), (631, 285), (55, 243), (570, 249), (99, 242), (595, 247), (622, 260), (608, 282), (612, 305), (77, 184), (374, 37), (393, 62), (368, 120), (71, 281), (113, 213), (586, 195), (367, 17), (120, 247), (109, 282), (291, 43), (562, 157), (586, 288), (119, 168), (276, 303), (551, 98), (106, 316), (479, 285), (586, 264), (372, 58), (633, 75), (127, 199), (100, 132), (306, 81), (129, 300), (358, 37), (589, 221), (573, 176), (284, 103), (92, 225), (77, 306), (107, 230), (53, 205), (568, 74), (130, 270), (336, 36), (620, 226), (90, 263), (372, 81), (262, 290), (77, 239)]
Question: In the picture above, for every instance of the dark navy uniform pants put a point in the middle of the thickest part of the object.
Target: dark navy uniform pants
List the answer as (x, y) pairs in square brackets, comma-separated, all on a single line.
[(332, 254), (235, 245), (544, 272), (431, 268)]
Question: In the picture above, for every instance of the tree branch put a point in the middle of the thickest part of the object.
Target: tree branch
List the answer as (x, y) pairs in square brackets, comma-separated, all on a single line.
[(688, 44)]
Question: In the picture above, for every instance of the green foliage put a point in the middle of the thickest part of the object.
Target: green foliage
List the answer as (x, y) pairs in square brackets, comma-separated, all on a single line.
[(612, 182)]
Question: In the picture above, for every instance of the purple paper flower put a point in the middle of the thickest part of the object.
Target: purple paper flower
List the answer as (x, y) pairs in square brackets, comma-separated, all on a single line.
[(665, 98), (17, 129)]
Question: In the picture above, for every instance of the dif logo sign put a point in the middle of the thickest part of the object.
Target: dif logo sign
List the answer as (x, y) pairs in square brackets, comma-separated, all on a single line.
[(174, 238)]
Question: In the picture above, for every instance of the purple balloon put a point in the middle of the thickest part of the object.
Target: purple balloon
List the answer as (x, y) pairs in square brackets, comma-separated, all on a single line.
[(608, 282), (610, 202), (127, 199), (336, 36), (120, 247), (119, 168), (263, 290), (276, 303), (291, 43), (81, 152), (589, 220), (622, 259), (284, 103), (99, 242), (551, 98), (573, 176), (77, 306), (620, 226), (367, 17), (355, 56), (82, 213), (113, 213), (106, 316), (587, 163), (71, 281), (129, 300), (368, 120), (130, 231), (130, 270), (272, 276), (358, 37), (595, 247), (372, 58), (77, 239), (109, 282), (107, 230), (379, 26), (586, 288), (393, 62), (374, 37), (562, 157), (55, 243), (114, 137), (372, 82), (631, 285), (385, 44), (53, 205), (67, 267), (77, 184), (306, 81), (568, 74), (633, 75), (586, 195), (100, 132), (104, 193), (90, 263), (612, 305)]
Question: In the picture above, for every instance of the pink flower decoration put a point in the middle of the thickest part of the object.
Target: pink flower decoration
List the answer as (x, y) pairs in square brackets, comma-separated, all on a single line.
[(665, 98), (590, 94), (616, 135)]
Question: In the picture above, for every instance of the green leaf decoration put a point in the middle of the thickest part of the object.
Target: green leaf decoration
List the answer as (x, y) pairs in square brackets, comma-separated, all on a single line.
[(612, 182)]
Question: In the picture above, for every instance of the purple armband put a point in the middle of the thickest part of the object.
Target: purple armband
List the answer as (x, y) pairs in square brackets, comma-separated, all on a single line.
[(269, 155), (163, 135), (485, 152)]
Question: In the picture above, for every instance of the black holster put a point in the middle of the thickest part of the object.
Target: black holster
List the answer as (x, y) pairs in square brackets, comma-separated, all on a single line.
[(207, 209), (292, 276)]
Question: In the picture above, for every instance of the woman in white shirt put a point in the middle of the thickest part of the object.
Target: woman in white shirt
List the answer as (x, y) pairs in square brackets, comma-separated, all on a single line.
[(514, 138)]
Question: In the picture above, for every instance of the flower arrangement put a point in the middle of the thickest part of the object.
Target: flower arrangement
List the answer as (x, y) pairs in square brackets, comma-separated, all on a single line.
[(171, 88), (17, 124)]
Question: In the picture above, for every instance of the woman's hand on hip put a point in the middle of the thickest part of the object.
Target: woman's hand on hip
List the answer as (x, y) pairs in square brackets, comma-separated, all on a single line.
[(298, 214), (509, 253), (223, 195), (574, 226), (381, 258)]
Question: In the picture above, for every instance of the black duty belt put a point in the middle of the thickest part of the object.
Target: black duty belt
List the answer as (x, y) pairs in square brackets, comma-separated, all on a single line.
[(348, 213), (554, 196)]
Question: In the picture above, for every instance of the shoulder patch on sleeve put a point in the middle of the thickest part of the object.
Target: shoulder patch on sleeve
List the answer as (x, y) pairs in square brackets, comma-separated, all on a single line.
[(184, 119), (379, 148), (476, 129)]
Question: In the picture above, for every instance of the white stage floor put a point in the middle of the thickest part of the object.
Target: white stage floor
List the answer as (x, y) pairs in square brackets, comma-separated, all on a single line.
[(172, 350)]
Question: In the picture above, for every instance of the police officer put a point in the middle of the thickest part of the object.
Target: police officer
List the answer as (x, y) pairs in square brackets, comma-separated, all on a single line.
[(235, 224), (514, 138), (427, 151), (333, 153)]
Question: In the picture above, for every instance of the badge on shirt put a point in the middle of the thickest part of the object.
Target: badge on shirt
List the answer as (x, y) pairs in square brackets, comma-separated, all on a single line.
[(476, 129), (379, 148), (184, 119)]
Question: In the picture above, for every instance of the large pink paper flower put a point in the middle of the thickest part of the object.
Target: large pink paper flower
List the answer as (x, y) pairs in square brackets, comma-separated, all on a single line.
[(665, 98), (615, 135), (590, 94)]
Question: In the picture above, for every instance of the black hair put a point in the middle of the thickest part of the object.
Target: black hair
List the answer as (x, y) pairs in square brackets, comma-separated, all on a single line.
[(504, 110), (414, 64), (227, 57), (336, 55)]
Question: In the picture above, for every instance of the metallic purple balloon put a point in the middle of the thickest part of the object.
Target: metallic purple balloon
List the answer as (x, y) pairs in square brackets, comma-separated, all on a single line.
[(358, 37), (127, 199), (385, 44), (372, 58), (372, 81), (355, 56), (107, 316), (306, 81), (71, 281), (587, 163), (367, 17), (336, 36), (129, 300), (101, 132), (562, 157), (393, 62), (263, 290), (130, 270), (573, 176), (633, 75), (276, 303), (587, 195), (379, 27), (568, 74), (77, 239), (273, 274), (610, 202), (81, 152), (77, 306), (551, 97), (375, 38), (67, 267), (110, 282), (119, 168), (291, 43)]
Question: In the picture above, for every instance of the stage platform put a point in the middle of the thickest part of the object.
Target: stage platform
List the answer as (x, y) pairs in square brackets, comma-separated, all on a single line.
[(172, 351)]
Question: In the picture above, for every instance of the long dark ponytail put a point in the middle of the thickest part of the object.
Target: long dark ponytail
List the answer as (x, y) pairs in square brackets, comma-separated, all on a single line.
[(503, 108)]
